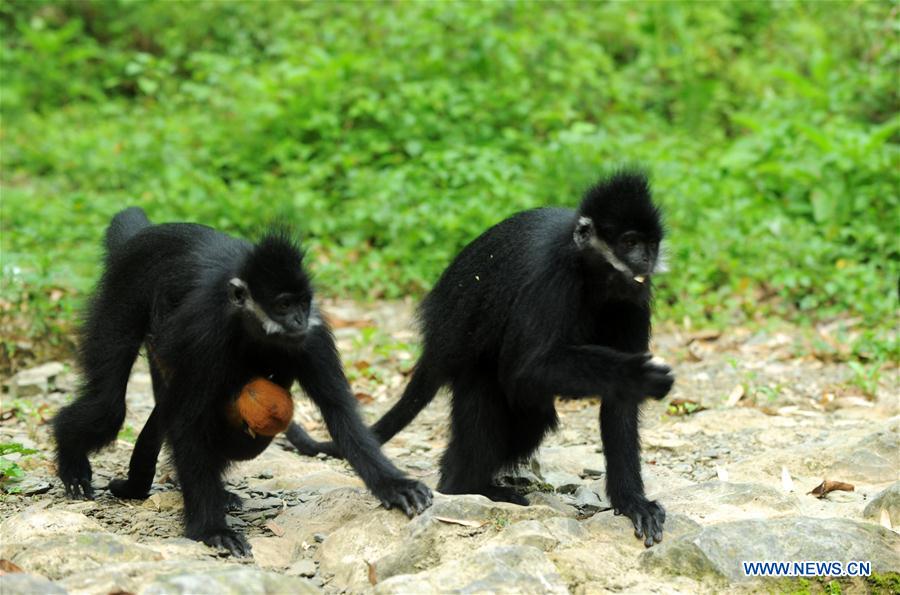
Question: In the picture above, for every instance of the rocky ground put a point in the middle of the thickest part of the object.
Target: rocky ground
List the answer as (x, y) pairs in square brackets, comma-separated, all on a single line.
[(756, 421)]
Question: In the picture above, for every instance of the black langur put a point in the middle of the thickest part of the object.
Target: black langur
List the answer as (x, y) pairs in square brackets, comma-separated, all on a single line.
[(214, 313), (549, 302)]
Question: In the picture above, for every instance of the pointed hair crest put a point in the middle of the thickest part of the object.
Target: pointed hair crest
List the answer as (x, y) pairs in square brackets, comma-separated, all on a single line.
[(622, 201), (275, 262)]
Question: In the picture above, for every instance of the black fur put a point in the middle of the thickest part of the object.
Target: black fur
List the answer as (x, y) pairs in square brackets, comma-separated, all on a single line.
[(532, 309), (171, 288)]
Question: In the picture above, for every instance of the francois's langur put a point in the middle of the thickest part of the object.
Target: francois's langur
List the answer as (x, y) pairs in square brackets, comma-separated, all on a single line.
[(549, 302), (215, 312)]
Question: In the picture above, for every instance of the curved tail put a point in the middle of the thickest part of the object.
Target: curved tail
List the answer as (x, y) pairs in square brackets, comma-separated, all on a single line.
[(124, 226), (419, 392)]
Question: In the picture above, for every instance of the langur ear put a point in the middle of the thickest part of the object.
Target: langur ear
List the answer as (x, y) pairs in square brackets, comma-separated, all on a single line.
[(584, 231), (238, 292)]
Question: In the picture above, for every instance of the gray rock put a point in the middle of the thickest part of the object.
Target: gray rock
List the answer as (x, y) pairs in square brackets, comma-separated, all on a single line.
[(563, 481), (129, 577), (526, 475), (530, 533), (235, 580), (21, 583), (545, 535), (715, 501), (572, 459), (723, 492), (326, 513), (478, 508), (255, 504), (718, 550), (874, 459), (275, 553), (561, 503), (490, 569), (32, 486), (35, 381), (684, 468), (62, 555), (305, 568), (394, 545), (38, 522), (588, 501), (609, 526), (888, 500)]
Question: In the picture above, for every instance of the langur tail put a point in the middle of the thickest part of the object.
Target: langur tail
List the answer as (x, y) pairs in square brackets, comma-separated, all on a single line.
[(307, 445), (419, 392)]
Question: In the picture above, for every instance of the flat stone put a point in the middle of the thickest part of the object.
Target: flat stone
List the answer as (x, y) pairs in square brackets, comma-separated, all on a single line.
[(32, 486), (718, 550), (235, 580), (874, 459), (588, 501), (35, 381), (274, 553), (887, 500), (395, 545), (558, 502), (545, 535), (61, 555), (38, 522), (305, 568), (609, 527), (22, 583), (490, 569), (715, 501), (563, 481)]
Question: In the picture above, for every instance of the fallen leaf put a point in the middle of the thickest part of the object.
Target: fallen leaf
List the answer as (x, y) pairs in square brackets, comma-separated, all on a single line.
[(361, 365), (6, 566), (463, 522), (821, 490), (735, 395), (787, 484), (364, 398), (707, 335), (275, 528), (373, 578), (338, 322)]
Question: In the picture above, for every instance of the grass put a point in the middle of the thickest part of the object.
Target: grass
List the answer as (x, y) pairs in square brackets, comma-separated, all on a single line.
[(390, 135)]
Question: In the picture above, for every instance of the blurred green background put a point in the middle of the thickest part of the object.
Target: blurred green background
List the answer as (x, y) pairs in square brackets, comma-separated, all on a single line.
[(391, 134)]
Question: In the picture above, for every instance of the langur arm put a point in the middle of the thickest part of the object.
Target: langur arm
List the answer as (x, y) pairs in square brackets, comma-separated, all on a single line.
[(589, 370), (321, 376)]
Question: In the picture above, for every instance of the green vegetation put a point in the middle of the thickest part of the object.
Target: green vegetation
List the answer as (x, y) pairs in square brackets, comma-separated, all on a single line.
[(391, 134), (10, 471)]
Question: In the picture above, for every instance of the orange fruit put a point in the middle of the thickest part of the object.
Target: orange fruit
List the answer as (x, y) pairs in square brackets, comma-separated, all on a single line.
[(266, 407)]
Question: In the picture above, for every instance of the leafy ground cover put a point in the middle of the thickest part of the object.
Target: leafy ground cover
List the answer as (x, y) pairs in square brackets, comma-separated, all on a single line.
[(392, 134)]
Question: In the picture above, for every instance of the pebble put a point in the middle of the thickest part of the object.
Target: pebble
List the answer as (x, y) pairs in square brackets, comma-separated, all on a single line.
[(306, 568), (587, 500)]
